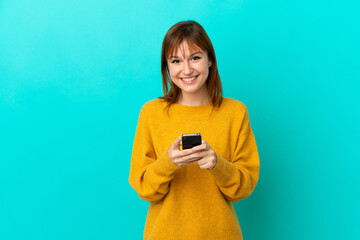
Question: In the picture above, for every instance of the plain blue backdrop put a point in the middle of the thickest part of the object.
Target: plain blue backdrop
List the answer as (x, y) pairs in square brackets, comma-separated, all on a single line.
[(74, 75)]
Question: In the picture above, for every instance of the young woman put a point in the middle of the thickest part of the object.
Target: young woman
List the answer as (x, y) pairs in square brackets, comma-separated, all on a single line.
[(191, 191)]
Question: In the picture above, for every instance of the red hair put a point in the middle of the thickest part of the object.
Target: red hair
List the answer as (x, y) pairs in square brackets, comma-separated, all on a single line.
[(195, 36)]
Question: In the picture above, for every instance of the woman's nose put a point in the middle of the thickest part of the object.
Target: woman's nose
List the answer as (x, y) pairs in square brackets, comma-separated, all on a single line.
[(187, 68)]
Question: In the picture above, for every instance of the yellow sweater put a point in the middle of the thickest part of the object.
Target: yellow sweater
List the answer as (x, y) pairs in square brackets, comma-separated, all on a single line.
[(188, 202)]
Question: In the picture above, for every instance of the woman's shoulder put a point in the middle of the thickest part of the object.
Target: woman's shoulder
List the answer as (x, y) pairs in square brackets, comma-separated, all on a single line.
[(233, 104), (233, 110), (154, 104)]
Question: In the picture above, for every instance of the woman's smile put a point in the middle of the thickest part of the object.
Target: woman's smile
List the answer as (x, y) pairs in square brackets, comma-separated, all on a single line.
[(189, 80)]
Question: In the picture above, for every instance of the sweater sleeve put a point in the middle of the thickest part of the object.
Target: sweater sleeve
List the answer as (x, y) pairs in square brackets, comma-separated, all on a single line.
[(237, 177), (150, 175)]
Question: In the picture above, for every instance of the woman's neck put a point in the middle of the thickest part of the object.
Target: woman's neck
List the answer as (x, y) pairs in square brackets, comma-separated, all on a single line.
[(194, 99)]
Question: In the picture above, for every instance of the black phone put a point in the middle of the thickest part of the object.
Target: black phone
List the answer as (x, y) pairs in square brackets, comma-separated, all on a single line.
[(191, 140)]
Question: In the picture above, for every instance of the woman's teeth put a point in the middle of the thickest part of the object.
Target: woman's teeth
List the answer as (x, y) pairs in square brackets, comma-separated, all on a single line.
[(188, 79)]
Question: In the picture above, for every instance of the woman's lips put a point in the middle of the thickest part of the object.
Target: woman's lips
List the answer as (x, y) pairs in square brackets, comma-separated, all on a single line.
[(192, 80)]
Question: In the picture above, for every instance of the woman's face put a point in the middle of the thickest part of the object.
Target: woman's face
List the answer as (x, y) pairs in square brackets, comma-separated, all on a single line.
[(189, 69)]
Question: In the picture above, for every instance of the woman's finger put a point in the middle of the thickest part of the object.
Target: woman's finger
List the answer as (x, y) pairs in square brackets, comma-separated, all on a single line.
[(176, 143), (185, 152), (196, 155), (204, 146)]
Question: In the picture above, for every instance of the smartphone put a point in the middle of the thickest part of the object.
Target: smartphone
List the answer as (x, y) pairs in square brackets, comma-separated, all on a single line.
[(191, 140)]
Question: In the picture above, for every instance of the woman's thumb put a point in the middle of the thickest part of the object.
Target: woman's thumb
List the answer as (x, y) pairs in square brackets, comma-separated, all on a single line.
[(177, 143)]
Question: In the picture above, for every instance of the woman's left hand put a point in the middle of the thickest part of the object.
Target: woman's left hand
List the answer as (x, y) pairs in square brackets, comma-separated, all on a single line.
[(205, 154)]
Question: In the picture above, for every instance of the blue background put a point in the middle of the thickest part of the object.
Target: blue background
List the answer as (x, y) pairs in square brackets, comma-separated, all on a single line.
[(74, 75)]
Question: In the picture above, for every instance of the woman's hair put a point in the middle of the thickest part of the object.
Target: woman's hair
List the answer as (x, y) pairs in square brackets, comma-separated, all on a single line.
[(195, 36)]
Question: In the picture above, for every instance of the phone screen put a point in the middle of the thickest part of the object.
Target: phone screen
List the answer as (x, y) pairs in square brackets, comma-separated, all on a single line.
[(191, 140)]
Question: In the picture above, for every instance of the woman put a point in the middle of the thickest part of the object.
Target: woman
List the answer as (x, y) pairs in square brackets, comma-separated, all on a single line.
[(190, 191)]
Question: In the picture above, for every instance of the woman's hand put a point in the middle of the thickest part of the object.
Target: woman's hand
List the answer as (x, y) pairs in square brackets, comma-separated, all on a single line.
[(177, 156), (204, 154)]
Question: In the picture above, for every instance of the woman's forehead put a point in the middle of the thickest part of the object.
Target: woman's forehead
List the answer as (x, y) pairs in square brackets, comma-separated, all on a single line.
[(184, 48)]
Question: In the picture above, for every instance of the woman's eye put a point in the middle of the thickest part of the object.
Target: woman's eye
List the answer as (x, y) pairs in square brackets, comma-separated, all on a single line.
[(175, 61), (196, 58)]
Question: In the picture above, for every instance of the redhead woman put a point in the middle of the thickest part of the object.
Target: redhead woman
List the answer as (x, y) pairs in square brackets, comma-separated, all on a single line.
[(191, 190)]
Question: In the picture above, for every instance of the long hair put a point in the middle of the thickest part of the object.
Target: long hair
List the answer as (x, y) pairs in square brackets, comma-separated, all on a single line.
[(196, 37)]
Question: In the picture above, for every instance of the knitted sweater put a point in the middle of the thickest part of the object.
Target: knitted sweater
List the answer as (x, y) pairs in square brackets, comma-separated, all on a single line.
[(188, 202)]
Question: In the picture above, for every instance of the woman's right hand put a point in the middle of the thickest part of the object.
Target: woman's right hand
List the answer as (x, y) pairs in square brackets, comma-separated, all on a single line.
[(176, 156)]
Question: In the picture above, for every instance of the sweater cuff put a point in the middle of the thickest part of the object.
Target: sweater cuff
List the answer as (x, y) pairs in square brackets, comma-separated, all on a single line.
[(220, 169), (164, 165)]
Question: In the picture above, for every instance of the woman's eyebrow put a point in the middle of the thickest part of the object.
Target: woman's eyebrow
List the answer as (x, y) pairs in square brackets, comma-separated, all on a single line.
[(190, 55), (195, 53)]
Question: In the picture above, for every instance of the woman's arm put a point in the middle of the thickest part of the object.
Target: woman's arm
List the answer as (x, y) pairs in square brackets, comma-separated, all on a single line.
[(150, 175), (237, 177)]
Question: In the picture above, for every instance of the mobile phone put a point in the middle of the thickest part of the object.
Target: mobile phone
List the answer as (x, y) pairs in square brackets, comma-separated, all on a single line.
[(191, 140)]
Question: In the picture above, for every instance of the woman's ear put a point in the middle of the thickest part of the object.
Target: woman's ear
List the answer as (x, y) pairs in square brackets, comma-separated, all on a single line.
[(210, 63)]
